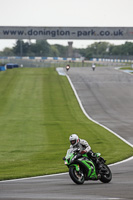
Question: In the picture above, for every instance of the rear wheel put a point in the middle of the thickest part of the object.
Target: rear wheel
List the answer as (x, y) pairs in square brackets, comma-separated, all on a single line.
[(76, 176), (106, 174)]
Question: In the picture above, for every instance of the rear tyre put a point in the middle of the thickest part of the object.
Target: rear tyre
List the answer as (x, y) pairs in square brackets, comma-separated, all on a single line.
[(106, 175), (77, 177)]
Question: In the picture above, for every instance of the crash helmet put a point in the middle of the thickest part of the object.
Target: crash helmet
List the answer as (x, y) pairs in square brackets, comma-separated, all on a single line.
[(74, 139)]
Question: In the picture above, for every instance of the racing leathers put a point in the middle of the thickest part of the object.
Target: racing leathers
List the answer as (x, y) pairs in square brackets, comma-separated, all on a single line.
[(84, 147)]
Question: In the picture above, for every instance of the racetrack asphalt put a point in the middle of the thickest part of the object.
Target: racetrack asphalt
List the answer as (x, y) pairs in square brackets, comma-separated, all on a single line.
[(107, 97)]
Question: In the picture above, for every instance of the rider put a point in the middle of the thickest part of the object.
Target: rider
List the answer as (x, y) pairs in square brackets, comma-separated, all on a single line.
[(83, 147)]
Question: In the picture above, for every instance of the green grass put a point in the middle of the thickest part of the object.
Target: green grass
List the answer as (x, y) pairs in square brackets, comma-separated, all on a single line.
[(122, 68), (38, 112)]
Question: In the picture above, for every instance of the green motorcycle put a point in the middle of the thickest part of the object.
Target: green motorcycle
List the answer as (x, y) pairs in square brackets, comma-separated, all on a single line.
[(81, 168)]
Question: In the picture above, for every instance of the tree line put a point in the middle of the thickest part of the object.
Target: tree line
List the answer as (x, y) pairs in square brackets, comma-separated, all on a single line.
[(43, 49)]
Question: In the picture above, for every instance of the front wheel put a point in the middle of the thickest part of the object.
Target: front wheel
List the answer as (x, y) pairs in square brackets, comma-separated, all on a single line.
[(76, 176), (106, 174)]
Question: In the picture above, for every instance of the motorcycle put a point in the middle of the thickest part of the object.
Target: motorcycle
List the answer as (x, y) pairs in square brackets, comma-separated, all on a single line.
[(67, 67), (82, 168)]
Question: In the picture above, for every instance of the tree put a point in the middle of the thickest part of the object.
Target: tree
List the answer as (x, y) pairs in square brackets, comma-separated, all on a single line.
[(63, 50), (99, 48), (21, 48), (7, 52), (41, 48), (54, 51)]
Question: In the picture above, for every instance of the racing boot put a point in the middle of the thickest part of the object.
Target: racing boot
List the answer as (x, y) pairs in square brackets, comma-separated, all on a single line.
[(95, 159)]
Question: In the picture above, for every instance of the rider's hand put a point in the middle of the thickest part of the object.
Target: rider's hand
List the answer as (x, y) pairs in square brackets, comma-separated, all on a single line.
[(82, 152)]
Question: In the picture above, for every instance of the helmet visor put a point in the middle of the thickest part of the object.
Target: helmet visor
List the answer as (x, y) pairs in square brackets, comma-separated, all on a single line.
[(73, 142)]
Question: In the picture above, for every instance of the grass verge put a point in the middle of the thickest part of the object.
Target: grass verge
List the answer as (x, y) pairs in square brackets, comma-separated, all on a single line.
[(38, 112)]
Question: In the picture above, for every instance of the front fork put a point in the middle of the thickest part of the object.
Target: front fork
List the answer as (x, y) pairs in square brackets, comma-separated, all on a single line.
[(77, 167)]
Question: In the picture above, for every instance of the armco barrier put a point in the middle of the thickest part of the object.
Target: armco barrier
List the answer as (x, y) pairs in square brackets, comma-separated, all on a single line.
[(66, 59), (41, 58)]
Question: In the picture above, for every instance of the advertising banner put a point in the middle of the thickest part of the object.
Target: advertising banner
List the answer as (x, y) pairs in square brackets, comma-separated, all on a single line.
[(75, 33)]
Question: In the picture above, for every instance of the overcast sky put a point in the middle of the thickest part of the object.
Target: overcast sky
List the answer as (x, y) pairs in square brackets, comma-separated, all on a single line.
[(65, 13)]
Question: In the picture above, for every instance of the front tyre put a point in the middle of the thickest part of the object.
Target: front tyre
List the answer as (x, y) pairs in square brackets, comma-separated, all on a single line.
[(106, 174), (76, 176)]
